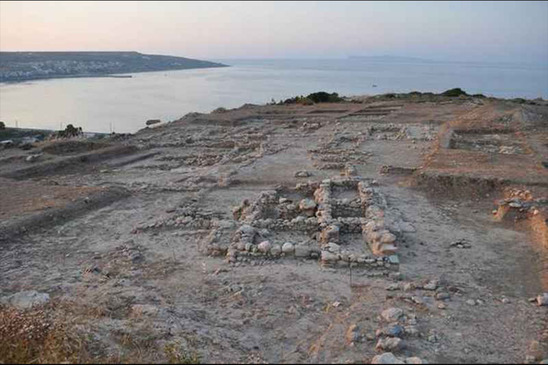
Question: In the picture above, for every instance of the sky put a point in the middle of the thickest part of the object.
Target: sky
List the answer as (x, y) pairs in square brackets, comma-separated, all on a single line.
[(459, 31)]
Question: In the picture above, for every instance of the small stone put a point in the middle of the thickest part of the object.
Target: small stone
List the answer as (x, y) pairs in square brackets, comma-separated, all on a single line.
[(408, 287), (144, 309), (392, 314), (393, 287), (329, 257), (415, 360), (394, 330), (353, 333), (394, 259), (386, 358), (27, 299), (307, 204), (441, 306), (390, 344), (333, 247), (275, 250), (264, 246), (388, 238), (443, 296), (407, 227), (535, 350), (288, 248), (411, 331), (33, 158), (302, 174), (471, 302), (542, 300), (431, 286), (302, 251)]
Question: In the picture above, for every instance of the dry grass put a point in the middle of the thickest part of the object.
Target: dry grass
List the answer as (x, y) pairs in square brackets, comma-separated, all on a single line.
[(35, 336), (63, 332)]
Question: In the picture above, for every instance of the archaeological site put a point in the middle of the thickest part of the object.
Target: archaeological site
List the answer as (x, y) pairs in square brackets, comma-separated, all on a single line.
[(398, 228)]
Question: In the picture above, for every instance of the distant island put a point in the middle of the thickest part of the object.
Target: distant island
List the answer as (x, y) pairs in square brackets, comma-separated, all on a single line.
[(23, 66), (391, 59)]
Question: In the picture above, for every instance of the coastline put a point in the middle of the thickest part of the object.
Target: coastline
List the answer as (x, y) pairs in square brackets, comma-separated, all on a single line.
[(125, 75)]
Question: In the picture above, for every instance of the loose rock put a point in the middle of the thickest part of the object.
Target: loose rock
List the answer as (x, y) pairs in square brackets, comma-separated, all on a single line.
[(392, 314), (386, 358)]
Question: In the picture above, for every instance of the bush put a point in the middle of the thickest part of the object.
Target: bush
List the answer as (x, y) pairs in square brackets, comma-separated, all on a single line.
[(481, 96), (2, 125), (323, 97), (70, 131), (303, 100), (454, 92), (317, 97)]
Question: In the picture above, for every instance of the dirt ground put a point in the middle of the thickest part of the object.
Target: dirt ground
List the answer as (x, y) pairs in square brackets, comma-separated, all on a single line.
[(393, 208)]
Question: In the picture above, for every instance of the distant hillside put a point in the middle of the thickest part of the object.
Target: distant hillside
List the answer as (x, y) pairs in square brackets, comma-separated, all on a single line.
[(21, 66)]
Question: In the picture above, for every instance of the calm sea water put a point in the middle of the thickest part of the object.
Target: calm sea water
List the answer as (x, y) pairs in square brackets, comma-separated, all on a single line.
[(123, 105)]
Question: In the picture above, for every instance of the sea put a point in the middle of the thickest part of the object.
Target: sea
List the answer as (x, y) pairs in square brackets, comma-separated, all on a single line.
[(123, 105)]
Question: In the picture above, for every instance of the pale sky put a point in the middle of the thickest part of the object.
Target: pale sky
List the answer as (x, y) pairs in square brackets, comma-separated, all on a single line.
[(462, 31)]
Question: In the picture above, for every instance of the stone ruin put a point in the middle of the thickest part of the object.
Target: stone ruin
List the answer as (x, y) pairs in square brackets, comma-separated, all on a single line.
[(338, 221)]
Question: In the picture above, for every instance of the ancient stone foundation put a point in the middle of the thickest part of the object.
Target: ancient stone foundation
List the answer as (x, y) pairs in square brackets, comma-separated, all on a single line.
[(314, 220)]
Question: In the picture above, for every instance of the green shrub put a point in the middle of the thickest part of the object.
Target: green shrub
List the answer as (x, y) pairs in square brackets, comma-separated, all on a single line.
[(454, 92), (481, 96), (70, 131), (323, 97), (2, 125), (317, 97)]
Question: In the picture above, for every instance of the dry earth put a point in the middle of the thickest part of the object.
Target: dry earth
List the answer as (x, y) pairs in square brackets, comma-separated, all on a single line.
[(199, 240)]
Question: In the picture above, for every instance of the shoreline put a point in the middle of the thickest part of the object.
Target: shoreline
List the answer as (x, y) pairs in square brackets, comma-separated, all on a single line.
[(125, 75)]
